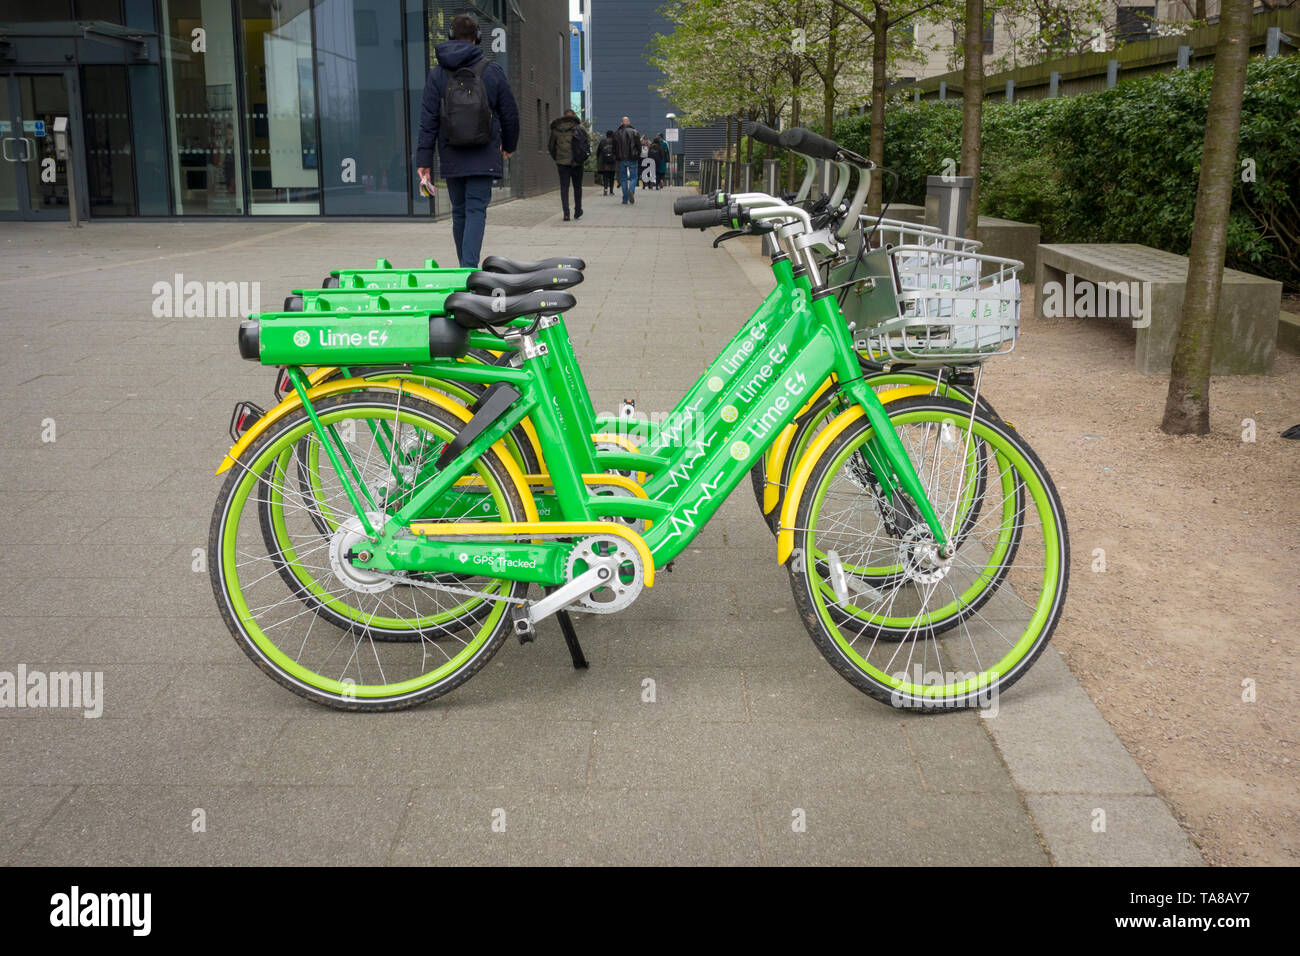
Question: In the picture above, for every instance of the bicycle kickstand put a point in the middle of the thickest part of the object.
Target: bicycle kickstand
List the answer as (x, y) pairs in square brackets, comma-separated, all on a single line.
[(571, 638)]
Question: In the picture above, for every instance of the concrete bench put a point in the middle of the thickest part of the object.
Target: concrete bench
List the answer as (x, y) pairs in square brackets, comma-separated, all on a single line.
[(1145, 286)]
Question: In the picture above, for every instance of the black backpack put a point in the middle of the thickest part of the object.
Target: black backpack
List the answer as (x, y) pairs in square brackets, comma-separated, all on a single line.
[(607, 154), (580, 146), (466, 119)]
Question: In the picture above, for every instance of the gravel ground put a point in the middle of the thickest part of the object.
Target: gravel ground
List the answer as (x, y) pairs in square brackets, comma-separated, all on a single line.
[(1183, 595)]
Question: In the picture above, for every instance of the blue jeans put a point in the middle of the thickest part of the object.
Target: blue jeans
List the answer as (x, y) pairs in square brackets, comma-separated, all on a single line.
[(470, 196), (627, 169)]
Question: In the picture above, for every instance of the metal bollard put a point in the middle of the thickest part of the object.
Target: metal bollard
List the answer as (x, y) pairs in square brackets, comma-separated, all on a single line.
[(953, 193)]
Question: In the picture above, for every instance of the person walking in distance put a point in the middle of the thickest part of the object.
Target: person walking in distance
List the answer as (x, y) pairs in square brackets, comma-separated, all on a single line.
[(665, 155), (627, 150), (656, 154), (647, 164), (569, 147), (469, 115), (606, 163)]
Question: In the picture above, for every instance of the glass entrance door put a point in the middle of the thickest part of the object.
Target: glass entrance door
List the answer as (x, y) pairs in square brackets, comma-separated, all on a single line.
[(33, 180)]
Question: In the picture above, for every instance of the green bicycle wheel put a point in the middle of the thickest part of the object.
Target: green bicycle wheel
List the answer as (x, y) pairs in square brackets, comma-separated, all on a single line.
[(954, 630), (329, 631)]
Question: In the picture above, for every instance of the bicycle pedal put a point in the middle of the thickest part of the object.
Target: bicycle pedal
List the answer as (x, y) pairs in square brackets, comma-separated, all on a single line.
[(522, 624)]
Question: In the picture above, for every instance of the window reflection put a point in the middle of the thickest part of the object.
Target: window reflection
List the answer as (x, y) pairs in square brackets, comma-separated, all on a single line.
[(199, 50), (280, 121)]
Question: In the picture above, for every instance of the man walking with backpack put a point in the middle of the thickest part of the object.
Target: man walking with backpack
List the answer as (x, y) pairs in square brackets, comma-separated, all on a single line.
[(470, 116), (569, 147), (627, 149)]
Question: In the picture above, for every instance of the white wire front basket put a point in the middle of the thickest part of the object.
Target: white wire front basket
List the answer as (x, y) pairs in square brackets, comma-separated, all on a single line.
[(896, 232), (955, 305)]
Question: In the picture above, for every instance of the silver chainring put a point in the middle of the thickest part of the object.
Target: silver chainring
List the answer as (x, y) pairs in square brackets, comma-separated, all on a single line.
[(628, 579)]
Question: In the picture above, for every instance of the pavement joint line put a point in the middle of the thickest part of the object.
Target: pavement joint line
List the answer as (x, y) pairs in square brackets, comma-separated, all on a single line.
[(1020, 796), (920, 773), (758, 827), (45, 821), (400, 831), (175, 255)]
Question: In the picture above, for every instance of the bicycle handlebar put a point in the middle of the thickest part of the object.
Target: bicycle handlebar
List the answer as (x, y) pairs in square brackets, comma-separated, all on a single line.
[(685, 204), (765, 134), (808, 143), (704, 218)]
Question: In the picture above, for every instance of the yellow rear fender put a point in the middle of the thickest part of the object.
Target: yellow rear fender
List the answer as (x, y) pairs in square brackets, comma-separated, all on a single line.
[(292, 402)]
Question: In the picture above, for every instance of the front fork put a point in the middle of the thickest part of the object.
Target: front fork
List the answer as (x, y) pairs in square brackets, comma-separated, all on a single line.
[(336, 450), (884, 452)]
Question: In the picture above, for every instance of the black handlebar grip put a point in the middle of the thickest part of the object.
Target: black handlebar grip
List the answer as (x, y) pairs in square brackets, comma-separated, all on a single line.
[(685, 204), (809, 143), (703, 218), (765, 134)]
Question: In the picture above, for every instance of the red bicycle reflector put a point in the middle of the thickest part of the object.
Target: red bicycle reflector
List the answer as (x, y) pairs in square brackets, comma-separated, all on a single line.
[(243, 418), (283, 384)]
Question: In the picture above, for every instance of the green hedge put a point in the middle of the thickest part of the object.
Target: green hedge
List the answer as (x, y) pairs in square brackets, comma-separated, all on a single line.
[(1119, 165)]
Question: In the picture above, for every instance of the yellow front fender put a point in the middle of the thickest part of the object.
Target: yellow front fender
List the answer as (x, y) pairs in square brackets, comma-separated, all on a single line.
[(781, 447), (802, 471), (292, 402)]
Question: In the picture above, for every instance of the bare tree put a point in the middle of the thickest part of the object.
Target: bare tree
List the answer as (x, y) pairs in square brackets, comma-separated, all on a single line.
[(1187, 407)]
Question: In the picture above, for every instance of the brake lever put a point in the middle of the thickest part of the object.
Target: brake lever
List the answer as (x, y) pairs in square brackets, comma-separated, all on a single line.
[(753, 229)]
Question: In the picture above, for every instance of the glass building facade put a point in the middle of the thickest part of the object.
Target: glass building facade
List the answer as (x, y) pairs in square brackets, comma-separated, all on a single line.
[(243, 107)]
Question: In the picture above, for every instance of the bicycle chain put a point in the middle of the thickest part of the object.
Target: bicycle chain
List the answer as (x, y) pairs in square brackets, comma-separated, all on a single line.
[(466, 592)]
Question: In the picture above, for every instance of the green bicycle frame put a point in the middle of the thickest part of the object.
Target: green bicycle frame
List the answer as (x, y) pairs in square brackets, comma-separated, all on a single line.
[(738, 420)]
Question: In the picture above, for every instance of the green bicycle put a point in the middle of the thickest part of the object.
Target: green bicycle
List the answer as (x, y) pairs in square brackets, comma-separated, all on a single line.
[(433, 533)]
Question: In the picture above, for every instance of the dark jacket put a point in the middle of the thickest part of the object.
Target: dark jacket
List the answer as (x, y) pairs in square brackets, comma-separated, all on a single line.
[(606, 159), (627, 144), (561, 145), (474, 161), (656, 152)]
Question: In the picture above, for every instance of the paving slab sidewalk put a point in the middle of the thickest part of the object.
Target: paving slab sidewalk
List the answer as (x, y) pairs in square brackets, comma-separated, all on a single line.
[(753, 750)]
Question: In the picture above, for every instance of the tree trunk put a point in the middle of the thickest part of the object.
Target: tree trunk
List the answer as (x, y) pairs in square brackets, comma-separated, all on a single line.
[(828, 82), (790, 163), (733, 157), (972, 109), (879, 26), (1187, 407), (726, 159)]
